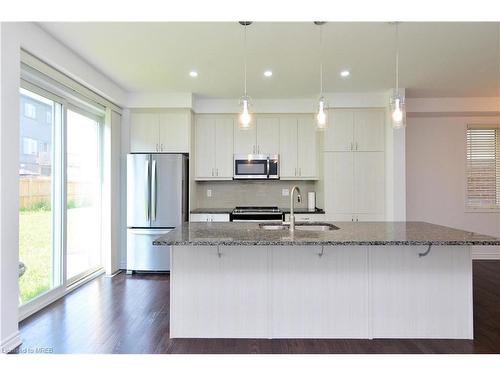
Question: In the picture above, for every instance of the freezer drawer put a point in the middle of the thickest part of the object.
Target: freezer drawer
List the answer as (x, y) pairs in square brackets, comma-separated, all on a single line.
[(142, 255)]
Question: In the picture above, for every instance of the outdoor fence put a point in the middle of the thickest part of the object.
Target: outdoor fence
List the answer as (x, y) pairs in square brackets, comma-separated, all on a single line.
[(34, 191)]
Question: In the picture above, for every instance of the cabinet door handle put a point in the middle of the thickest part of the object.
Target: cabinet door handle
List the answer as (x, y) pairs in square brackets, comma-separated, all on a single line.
[(356, 146), (258, 149), (351, 146), (217, 172), (212, 172), (300, 172), (295, 173)]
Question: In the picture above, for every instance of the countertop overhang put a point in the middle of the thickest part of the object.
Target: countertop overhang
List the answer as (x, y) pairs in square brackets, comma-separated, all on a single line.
[(350, 233)]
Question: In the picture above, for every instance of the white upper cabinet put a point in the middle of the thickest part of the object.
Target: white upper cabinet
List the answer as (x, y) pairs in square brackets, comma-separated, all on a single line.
[(245, 139), (174, 131), (214, 147), (369, 130), (160, 131), (339, 132), (261, 138), (306, 148), (224, 147), (204, 149), (298, 151), (144, 132), (268, 135), (355, 130), (288, 148)]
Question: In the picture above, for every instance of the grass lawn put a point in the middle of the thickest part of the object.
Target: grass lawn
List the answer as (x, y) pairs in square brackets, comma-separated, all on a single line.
[(35, 230), (35, 247)]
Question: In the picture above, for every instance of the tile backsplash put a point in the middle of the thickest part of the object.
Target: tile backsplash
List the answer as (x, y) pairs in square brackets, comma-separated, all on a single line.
[(249, 193)]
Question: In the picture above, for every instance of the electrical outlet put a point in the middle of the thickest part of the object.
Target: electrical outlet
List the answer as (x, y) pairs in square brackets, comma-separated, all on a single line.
[(209, 193), (285, 192)]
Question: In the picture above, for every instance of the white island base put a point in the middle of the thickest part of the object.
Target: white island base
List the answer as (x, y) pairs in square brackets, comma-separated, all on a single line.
[(321, 292)]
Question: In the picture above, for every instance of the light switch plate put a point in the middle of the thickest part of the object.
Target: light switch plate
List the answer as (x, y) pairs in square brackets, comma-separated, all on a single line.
[(209, 193), (285, 192)]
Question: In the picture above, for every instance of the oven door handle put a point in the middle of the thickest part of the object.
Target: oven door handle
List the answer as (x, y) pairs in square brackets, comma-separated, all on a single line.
[(268, 166)]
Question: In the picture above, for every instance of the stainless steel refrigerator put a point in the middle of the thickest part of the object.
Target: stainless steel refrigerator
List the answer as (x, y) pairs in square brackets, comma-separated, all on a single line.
[(157, 202)]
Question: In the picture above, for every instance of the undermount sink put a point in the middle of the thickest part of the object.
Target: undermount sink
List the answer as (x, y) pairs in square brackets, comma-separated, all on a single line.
[(313, 227)]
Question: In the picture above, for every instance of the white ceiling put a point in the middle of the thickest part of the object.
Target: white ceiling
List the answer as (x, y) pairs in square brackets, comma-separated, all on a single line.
[(436, 59)]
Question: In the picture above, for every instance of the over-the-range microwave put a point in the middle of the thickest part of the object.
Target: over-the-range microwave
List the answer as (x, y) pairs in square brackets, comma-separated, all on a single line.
[(256, 166)]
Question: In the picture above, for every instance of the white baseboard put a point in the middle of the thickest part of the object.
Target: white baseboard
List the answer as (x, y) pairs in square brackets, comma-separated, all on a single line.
[(10, 343), (486, 252)]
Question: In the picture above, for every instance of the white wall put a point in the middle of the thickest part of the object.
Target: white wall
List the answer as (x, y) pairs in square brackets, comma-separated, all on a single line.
[(436, 173), (13, 37), (9, 186)]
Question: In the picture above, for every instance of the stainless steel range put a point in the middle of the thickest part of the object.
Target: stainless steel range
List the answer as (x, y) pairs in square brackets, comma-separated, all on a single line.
[(257, 214)]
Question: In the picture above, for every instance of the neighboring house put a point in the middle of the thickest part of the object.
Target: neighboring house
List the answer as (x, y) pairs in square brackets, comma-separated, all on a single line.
[(36, 137)]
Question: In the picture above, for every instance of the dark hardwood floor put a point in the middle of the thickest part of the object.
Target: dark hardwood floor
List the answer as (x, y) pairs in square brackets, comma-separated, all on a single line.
[(130, 314)]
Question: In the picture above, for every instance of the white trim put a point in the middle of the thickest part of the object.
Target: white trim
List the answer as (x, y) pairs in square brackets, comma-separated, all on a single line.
[(68, 83), (10, 343)]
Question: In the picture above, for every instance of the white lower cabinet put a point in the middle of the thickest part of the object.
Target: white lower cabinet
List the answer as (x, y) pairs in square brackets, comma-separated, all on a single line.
[(209, 217), (319, 292), (421, 296), (220, 291)]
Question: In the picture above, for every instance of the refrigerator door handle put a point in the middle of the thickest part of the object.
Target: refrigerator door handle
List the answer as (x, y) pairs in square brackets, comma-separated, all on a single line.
[(153, 191), (146, 186)]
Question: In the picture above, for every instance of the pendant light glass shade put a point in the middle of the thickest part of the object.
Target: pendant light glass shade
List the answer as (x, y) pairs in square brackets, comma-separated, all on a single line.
[(397, 102), (245, 119), (398, 111), (321, 116)]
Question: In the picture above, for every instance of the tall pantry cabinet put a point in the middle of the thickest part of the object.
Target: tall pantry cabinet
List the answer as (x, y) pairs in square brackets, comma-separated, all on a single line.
[(354, 165)]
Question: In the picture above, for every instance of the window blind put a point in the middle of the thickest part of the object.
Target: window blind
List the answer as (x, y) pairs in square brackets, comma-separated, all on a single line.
[(483, 166)]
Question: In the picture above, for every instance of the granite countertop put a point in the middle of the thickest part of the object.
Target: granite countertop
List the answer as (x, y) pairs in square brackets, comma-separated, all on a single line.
[(350, 233), (217, 210)]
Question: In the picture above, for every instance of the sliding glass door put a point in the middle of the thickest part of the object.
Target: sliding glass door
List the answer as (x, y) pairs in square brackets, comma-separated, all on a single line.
[(39, 255), (59, 194), (83, 194)]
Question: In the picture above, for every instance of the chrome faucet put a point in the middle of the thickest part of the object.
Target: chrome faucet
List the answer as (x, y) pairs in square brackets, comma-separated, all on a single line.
[(292, 215)]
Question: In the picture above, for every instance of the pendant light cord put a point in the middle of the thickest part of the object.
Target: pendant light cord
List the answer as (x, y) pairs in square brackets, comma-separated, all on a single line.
[(397, 56), (245, 57), (321, 60)]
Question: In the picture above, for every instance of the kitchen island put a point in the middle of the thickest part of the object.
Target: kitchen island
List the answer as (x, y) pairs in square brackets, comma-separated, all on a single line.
[(363, 280)]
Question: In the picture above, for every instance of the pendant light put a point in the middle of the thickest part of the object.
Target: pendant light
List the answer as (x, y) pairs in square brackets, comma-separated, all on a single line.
[(321, 116), (397, 102), (245, 119)]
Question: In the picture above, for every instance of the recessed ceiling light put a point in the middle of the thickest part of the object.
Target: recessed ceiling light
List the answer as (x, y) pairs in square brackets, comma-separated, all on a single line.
[(268, 73), (345, 73), (193, 73)]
